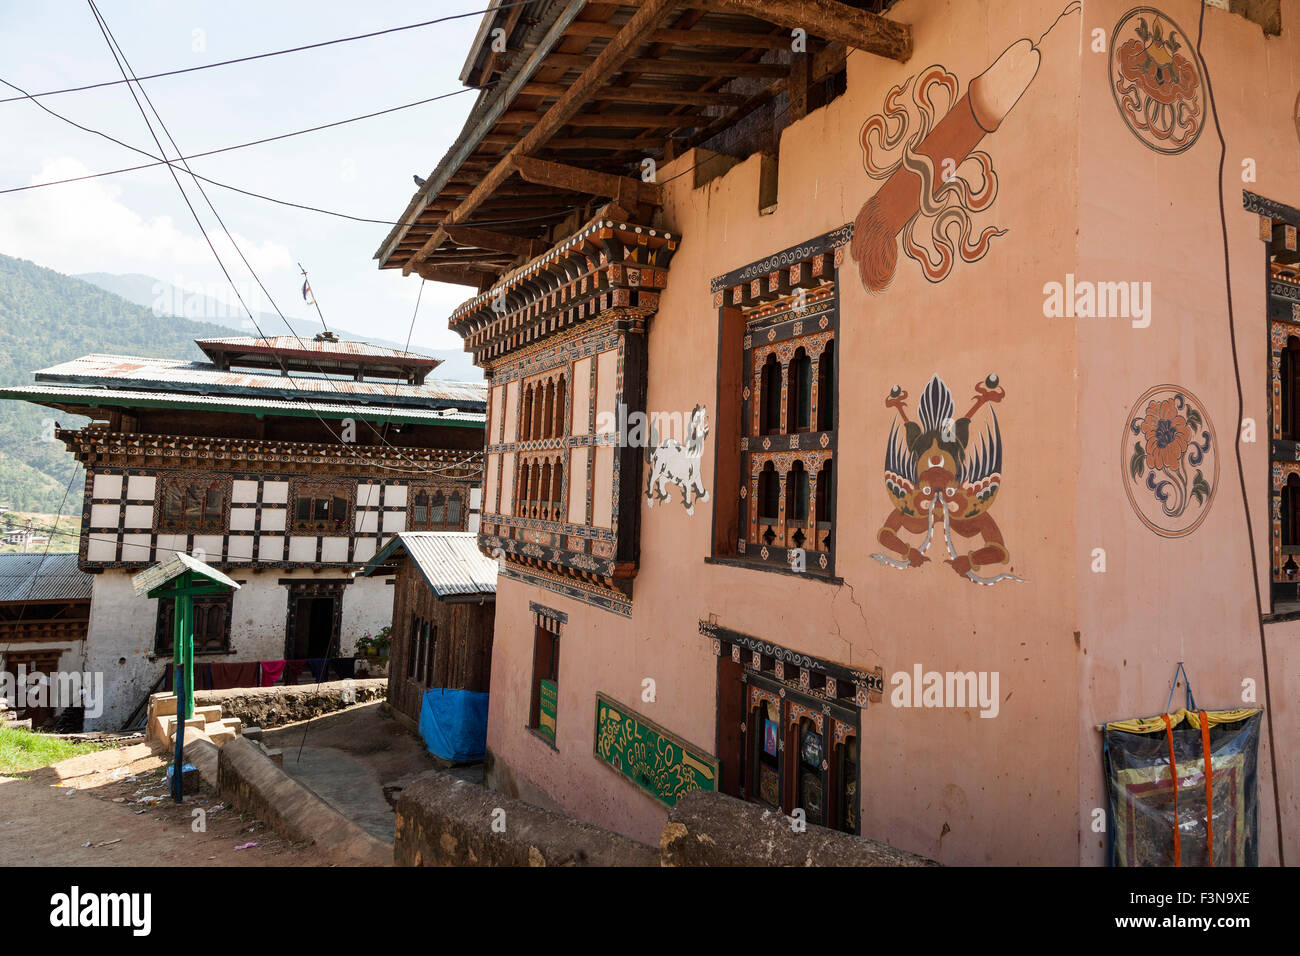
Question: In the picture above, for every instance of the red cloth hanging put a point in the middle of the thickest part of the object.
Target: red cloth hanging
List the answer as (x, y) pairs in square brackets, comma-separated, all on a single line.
[(272, 671)]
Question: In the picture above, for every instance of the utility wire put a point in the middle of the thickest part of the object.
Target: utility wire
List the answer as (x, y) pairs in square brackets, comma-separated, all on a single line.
[(171, 166), (125, 68), (262, 56), (1258, 608), (158, 161), (255, 142)]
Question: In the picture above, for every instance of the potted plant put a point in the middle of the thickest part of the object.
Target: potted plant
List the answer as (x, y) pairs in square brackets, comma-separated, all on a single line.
[(383, 640), (365, 646)]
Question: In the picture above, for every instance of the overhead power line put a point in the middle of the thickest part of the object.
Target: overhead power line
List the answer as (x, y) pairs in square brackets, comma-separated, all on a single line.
[(172, 164), (255, 142), (262, 56), (127, 73)]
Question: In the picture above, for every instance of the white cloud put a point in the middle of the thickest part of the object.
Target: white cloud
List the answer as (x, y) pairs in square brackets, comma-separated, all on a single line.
[(86, 227)]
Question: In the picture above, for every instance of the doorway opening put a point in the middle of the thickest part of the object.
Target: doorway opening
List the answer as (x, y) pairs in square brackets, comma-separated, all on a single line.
[(312, 630)]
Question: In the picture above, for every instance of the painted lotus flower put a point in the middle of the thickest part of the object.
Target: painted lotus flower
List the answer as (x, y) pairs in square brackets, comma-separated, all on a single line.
[(1167, 434)]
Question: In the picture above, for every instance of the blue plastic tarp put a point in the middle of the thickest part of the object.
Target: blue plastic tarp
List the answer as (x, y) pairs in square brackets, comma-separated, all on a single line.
[(453, 724)]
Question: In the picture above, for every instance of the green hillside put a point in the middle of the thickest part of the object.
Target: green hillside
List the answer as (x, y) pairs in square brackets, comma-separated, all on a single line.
[(47, 318)]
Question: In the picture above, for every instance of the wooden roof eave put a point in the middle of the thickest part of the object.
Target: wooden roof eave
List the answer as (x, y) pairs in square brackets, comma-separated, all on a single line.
[(710, 25), (492, 105)]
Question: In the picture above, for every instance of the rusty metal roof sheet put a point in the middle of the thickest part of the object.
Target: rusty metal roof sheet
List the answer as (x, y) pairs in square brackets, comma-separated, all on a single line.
[(115, 371), (101, 397), (180, 562), (293, 343), (35, 577), (449, 561)]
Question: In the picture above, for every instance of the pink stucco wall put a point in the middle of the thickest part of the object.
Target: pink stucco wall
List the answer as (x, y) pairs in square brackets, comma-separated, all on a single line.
[(1078, 194)]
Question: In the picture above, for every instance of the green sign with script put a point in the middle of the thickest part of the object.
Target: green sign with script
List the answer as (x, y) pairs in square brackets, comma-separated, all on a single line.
[(660, 763), (546, 719)]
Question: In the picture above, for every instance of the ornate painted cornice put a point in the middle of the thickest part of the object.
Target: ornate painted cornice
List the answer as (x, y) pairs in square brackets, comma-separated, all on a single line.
[(606, 269)]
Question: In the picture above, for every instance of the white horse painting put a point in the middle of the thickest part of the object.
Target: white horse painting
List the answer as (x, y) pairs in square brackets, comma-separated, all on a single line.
[(677, 464)]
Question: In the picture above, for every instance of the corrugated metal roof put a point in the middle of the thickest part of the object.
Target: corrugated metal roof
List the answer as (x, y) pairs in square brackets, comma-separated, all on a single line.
[(34, 577), (449, 561), (49, 394), (204, 377), (292, 343), (174, 567)]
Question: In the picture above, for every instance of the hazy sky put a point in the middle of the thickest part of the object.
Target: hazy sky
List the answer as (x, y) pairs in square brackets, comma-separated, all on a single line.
[(137, 222)]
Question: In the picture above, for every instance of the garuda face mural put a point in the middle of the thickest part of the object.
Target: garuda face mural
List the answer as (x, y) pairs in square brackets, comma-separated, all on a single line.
[(932, 466)]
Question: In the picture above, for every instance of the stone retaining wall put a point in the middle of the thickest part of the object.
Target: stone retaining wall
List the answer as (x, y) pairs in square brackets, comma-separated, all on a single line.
[(275, 706), (251, 782), (445, 821), (710, 829)]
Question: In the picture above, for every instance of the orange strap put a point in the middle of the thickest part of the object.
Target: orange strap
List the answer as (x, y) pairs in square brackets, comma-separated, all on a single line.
[(1209, 785), (1173, 780)]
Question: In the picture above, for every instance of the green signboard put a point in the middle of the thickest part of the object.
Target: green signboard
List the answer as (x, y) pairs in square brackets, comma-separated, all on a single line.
[(660, 763), (546, 719)]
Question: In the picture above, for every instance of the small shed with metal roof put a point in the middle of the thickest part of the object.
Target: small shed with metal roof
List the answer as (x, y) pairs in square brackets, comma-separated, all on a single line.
[(444, 609), (44, 616)]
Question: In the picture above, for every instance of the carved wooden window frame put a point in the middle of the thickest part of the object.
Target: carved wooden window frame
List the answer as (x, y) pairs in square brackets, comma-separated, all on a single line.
[(185, 484), (449, 491), (317, 489), (779, 309), (219, 605)]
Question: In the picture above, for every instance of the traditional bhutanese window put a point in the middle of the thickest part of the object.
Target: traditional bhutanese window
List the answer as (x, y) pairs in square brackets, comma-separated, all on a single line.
[(810, 749), (765, 732), (211, 625), (563, 341), (800, 404), (770, 389), (436, 509), (526, 425), (322, 507), (540, 491), (189, 505), (844, 777), (1278, 228), (799, 722), (1290, 391), (781, 317)]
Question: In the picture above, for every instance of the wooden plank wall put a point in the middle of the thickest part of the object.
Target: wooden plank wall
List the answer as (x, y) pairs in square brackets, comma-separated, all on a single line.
[(463, 655)]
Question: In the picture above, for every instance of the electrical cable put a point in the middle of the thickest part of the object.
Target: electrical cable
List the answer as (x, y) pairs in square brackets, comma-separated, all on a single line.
[(255, 142), (262, 56), (124, 67), (1241, 409)]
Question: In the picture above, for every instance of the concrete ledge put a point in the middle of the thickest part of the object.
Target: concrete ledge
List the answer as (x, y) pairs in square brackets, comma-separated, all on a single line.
[(203, 754), (445, 821), (249, 781), (711, 829), (275, 706)]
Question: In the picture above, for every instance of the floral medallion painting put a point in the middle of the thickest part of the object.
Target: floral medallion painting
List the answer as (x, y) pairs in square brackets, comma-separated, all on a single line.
[(1171, 460)]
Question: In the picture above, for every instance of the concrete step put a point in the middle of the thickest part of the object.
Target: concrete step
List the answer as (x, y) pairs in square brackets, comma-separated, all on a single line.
[(218, 734), (211, 713), (167, 726)]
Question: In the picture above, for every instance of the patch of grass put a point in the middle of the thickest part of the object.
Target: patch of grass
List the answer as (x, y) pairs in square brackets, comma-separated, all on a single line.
[(22, 750)]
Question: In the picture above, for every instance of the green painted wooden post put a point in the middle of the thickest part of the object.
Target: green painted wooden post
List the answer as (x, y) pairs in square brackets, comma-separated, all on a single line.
[(178, 653), (185, 606)]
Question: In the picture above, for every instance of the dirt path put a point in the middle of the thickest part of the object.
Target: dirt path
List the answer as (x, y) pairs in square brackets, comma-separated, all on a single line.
[(104, 799)]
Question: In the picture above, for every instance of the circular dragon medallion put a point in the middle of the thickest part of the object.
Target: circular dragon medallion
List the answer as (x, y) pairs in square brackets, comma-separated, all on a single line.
[(1155, 77), (1170, 459)]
